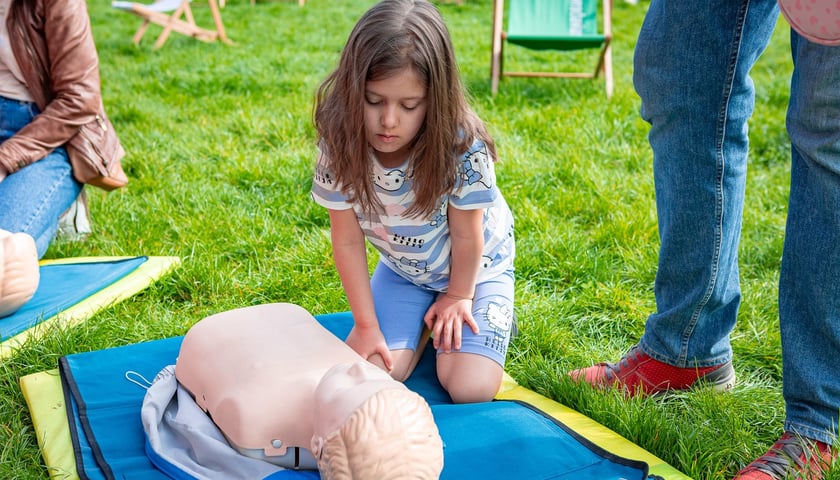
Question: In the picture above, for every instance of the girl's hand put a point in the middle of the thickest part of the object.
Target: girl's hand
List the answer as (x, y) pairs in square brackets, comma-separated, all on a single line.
[(369, 342), (446, 318)]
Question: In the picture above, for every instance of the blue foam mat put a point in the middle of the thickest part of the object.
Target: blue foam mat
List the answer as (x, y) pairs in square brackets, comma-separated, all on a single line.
[(62, 286), (493, 440)]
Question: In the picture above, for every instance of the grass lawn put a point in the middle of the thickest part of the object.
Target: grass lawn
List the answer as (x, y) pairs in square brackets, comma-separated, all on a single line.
[(220, 153)]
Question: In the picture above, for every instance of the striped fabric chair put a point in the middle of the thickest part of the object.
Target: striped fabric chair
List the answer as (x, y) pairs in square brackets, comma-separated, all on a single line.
[(564, 25)]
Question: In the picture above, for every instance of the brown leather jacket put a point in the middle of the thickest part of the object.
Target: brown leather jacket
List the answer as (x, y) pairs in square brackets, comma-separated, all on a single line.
[(53, 44)]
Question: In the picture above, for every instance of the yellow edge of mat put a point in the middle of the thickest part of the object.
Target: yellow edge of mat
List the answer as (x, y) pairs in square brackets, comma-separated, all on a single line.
[(149, 271), (594, 431), (45, 399)]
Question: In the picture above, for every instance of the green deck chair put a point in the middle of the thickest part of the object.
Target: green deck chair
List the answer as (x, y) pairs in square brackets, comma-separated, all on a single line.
[(552, 25)]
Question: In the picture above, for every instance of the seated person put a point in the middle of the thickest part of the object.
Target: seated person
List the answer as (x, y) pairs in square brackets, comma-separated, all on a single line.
[(54, 134), (283, 389), (19, 273)]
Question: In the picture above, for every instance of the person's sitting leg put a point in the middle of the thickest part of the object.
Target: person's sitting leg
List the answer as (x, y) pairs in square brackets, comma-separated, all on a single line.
[(33, 198)]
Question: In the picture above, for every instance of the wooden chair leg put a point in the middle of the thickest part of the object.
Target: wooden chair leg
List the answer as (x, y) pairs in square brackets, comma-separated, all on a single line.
[(608, 71), (496, 46), (167, 29), (188, 14), (217, 18), (140, 32), (495, 72)]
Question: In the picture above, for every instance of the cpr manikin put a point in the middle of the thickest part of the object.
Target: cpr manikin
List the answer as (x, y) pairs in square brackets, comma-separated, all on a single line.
[(19, 274), (284, 389)]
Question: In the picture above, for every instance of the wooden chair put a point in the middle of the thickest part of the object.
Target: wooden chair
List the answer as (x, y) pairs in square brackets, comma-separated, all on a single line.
[(552, 25), (167, 14), (254, 2)]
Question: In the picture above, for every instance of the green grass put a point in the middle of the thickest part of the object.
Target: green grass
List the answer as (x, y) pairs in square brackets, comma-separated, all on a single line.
[(220, 152)]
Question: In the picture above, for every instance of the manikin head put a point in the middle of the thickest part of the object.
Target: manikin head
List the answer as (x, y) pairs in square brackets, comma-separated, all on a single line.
[(368, 425), (19, 274)]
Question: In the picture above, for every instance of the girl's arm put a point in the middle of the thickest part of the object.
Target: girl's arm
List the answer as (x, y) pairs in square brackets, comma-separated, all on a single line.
[(466, 232), (448, 314), (348, 243)]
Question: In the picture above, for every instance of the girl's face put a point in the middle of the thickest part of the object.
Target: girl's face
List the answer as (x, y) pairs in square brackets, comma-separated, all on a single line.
[(395, 109)]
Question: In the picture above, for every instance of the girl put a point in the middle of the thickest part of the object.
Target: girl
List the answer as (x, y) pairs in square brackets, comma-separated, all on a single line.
[(406, 164)]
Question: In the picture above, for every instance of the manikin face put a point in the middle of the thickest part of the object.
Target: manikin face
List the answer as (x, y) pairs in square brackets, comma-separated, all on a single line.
[(368, 425), (343, 389), (395, 109)]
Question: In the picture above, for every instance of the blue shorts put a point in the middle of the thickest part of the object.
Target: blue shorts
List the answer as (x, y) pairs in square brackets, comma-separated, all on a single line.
[(401, 305)]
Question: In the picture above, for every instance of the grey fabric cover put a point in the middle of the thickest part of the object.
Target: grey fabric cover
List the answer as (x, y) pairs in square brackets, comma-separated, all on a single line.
[(180, 433)]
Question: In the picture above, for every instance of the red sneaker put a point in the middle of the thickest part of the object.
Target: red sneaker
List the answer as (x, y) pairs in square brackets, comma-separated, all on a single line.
[(640, 374), (791, 456)]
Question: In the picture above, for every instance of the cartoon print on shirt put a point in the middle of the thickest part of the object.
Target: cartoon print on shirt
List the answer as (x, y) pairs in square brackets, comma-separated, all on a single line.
[(439, 218), (469, 165), (410, 266), (408, 241), (486, 261), (390, 181), (323, 175)]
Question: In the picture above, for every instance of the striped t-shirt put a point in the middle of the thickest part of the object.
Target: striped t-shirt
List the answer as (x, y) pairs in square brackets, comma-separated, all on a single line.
[(419, 248)]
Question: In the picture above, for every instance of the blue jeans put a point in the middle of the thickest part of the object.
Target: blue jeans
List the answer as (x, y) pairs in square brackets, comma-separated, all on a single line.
[(33, 198), (691, 70)]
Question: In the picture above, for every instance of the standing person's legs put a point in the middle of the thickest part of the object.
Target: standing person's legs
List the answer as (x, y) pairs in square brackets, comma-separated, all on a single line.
[(691, 70), (809, 290), (809, 287)]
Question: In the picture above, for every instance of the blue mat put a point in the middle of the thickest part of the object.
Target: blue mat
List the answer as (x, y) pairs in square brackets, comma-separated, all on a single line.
[(62, 286), (72, 290), (504, 439)]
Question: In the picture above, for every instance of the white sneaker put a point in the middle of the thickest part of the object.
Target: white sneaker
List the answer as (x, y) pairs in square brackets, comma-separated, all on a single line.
[(74, 224)]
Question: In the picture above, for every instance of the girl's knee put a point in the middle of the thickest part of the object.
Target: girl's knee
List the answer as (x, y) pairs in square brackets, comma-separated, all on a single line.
[(475, 393), (404, 362), (400, 373), (469, 378)]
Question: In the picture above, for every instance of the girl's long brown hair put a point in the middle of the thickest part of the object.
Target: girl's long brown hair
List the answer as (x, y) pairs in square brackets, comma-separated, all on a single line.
[(392, 35)]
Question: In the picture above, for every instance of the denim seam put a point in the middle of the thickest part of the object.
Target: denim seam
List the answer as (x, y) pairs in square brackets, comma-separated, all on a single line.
[(720, 161)]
